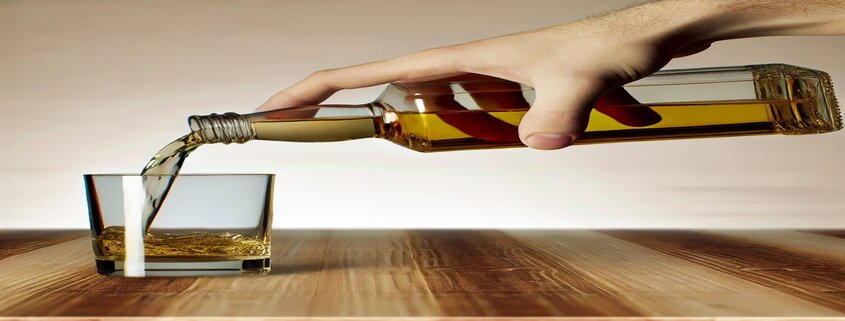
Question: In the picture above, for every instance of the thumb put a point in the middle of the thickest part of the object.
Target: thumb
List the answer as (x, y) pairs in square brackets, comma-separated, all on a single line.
[(558, 116)]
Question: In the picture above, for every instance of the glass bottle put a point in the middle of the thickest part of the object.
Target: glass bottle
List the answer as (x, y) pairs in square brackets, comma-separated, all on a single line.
[(474, 111)]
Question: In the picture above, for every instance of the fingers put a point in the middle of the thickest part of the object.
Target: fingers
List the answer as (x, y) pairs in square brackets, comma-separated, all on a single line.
[(692, 49), (559, 115), (496, 94), (624, 108), (478, 125), (320, 85)]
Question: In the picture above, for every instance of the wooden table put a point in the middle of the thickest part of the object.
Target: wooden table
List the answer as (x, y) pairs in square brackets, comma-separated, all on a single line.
[(439, 273)]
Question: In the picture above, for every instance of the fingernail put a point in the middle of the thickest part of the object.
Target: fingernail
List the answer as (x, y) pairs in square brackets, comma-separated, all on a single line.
[(549, 141)]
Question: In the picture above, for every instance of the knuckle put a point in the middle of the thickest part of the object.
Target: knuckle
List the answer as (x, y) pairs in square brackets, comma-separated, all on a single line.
[(315, 76), (319, 74), (323, 77)]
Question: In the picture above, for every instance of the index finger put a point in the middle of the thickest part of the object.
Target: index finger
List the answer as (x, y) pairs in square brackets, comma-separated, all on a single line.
[(430, 63)]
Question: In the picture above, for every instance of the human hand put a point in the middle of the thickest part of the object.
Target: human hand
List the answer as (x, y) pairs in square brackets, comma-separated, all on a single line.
[(495, 95), (570, 66)]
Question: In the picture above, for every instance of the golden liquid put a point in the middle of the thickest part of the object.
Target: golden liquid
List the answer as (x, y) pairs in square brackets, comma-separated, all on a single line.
[(428, 132), (444, 130), (161, 171), (184, 246)]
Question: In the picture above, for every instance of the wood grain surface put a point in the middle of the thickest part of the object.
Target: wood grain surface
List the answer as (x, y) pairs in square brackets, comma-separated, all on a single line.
[(454, 273)]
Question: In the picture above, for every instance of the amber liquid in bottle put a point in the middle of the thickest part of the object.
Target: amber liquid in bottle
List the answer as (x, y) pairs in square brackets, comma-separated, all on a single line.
[(475, 112), (433, 132)]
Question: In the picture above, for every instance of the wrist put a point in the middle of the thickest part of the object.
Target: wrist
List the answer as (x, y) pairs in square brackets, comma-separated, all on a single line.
[(681, 23), (710, 21), (670, 24)]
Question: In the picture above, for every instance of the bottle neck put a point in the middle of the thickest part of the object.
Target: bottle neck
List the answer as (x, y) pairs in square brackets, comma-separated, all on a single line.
[(223, 128), (317, 123)]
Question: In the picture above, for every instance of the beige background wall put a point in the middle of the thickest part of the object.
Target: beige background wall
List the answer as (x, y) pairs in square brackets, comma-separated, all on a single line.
[(99, 86)]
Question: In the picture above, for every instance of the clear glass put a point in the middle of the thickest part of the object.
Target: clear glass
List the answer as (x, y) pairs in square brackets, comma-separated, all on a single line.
[(475, 112), (216, 224)]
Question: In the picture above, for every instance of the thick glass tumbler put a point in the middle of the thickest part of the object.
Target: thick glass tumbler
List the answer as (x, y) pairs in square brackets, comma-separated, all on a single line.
[(215, 224)]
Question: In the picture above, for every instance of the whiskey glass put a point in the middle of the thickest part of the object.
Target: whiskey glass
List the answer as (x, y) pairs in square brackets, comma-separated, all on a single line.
[(208, 224)]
